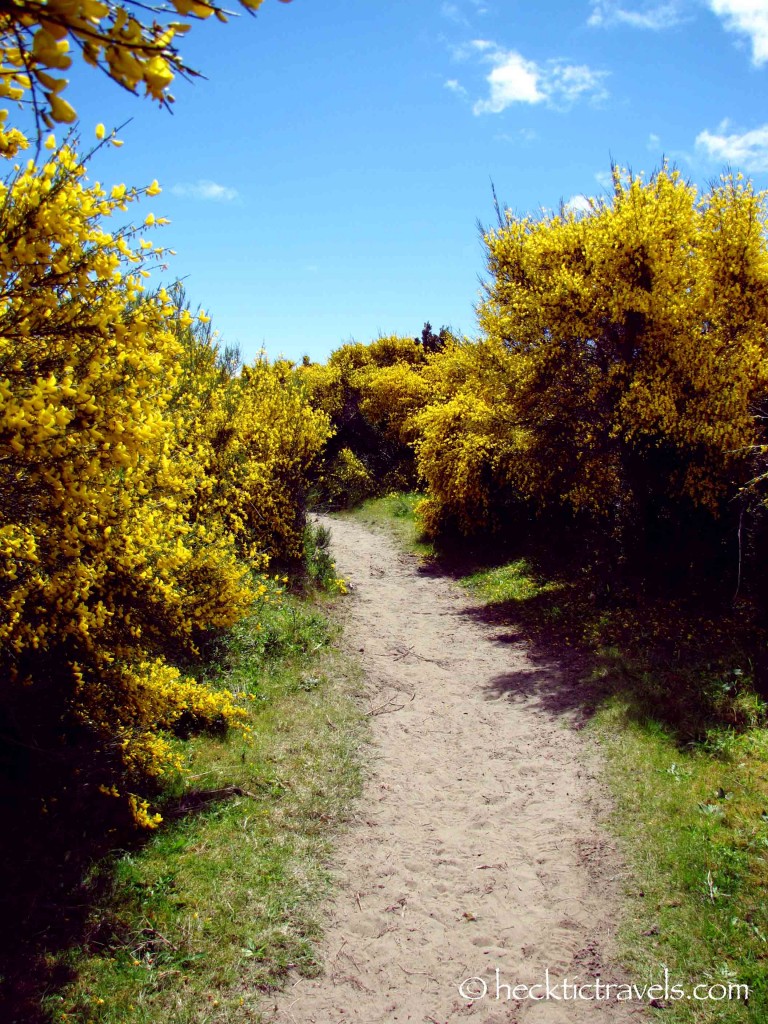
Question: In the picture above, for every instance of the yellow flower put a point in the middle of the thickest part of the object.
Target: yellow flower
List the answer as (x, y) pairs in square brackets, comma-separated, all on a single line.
[(61, 110)]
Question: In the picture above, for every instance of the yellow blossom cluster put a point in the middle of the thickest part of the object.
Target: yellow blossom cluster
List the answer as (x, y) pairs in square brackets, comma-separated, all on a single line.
[(37, 37), (142, 485), (252, 436)]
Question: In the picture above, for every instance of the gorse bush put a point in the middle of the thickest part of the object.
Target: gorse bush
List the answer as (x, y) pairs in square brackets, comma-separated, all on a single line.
[(143, 482), (623, 358), (366, 454), (617, 386), (642, 327), (345, 481), (252, 436)]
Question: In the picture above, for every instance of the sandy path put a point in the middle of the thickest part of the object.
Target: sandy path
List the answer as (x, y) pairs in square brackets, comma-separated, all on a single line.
[(477, 844)]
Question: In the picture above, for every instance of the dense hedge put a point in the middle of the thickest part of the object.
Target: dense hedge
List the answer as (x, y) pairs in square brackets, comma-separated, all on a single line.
[(144, 483)]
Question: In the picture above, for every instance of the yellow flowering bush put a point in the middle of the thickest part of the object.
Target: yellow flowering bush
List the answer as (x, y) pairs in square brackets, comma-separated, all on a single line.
[(644, 324), (451, 407), (391, 395), (624, 358), (366, 455), (252, 437), (469, 442), (346, 481), (141, 484)]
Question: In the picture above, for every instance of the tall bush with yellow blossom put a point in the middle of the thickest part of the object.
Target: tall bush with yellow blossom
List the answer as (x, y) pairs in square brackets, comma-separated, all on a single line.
[(624, 359), (367, 454), (132, 513), (252, 437)]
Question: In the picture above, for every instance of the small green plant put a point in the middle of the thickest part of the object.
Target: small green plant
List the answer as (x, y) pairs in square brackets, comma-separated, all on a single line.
[(318, 561)]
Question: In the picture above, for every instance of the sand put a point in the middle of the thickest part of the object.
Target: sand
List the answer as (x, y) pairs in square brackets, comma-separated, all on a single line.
[(479, 843)]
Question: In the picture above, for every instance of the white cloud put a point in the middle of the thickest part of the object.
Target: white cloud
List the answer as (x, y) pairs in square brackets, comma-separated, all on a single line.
[(748, 150), (649, 15), (207, 190), (653, 143), (749, 17), (579, 204), (604, 179), (567, 83), (514, 79), (464, 51), (454, 85), (453, 13)]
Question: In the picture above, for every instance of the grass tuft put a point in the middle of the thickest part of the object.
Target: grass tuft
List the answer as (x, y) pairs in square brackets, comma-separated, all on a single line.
[(318, 562)]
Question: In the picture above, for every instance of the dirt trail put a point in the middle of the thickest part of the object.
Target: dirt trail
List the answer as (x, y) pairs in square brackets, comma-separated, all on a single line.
[(477, 843)]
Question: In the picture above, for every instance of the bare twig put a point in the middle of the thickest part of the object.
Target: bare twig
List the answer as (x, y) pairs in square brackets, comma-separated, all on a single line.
[(422, 974), (384, 708)]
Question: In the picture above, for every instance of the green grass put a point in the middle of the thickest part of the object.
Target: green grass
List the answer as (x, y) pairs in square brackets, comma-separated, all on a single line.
[(669, 691), (396, 514), (515, 581), (694, 827), (220, 904)]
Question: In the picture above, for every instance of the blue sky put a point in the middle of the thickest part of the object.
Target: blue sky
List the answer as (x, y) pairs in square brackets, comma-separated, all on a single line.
[(325, 182)]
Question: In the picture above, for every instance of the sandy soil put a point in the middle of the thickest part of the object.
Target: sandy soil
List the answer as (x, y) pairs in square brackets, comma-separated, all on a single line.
[(478, 843)]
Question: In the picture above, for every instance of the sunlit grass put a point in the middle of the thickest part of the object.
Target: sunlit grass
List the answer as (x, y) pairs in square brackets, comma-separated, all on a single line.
[(515, 581), (221, 903), (694, 832), (396, 513)]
